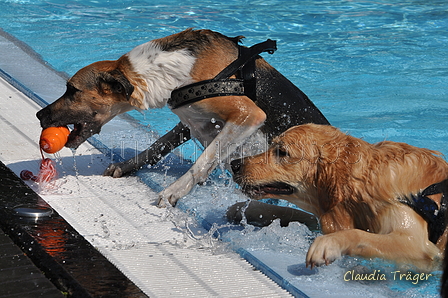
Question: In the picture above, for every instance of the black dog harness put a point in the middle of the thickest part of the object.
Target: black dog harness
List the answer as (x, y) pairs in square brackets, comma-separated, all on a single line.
[(428, 209), (222, 85)]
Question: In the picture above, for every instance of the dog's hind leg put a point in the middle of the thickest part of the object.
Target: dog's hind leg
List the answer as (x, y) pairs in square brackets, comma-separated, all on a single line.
[(263, 214), (172, 139)]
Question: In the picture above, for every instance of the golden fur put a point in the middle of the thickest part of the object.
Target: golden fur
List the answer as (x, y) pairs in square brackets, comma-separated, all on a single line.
[(353, 187)]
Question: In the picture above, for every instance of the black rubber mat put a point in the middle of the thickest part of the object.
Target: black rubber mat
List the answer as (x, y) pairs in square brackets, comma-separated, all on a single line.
[(19, 277)]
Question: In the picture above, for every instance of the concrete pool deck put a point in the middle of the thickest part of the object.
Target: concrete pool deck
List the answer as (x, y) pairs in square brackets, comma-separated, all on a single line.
[(118, 217)]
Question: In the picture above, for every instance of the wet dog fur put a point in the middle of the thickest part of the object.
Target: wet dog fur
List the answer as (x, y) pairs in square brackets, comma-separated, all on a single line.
[(145, 77), (353, 187)]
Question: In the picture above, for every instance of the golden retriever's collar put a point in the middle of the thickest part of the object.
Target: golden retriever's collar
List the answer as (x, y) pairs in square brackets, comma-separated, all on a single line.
[(428, 209), (222, 85)]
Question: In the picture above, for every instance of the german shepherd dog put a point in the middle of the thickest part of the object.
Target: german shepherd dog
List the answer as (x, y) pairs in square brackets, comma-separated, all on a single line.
[(385, 200), (202, 75)]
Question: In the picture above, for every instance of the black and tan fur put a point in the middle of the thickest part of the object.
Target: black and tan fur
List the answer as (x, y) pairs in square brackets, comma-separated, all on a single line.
[(146, 76)]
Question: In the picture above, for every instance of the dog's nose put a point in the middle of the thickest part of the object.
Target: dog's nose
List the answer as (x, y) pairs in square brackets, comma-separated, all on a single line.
[(236, 165), (40, 114), (44, 116)]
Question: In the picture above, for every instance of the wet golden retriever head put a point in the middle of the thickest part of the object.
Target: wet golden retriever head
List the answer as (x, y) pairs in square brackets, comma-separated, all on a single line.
[(289, 169)]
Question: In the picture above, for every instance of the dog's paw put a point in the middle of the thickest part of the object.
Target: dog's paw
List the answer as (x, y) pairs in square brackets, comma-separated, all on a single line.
[(166, 198), (178, 189), (324, 250), (171, 195), (114, 170)]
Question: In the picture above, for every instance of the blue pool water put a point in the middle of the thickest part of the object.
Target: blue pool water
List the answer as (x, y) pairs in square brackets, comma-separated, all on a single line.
[(377, 69)]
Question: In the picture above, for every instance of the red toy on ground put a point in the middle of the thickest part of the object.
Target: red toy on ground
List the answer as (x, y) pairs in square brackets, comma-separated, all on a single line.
[(47, 172), (52, 140)]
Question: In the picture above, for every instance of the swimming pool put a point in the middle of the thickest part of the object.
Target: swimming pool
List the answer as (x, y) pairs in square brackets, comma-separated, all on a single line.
[(375, 69)]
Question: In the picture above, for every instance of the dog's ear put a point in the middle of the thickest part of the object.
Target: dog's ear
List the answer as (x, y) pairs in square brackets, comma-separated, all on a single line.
[(117, 83), (331, 182), (335, 171)]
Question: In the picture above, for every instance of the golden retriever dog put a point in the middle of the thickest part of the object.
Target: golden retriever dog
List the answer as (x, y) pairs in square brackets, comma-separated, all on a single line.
[(384, 200)]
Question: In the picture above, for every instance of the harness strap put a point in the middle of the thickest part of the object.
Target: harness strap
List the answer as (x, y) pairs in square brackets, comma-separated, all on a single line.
[(221, 85), (245, 55), (205, 89), (428, 209)]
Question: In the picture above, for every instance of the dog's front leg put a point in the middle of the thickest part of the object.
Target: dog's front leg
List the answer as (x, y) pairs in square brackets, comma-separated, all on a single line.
[(233, 134), (399, 246), (172, 139), (403, 239)]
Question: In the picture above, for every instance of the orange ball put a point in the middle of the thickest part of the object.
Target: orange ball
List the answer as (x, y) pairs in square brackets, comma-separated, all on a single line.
[(53, 139)]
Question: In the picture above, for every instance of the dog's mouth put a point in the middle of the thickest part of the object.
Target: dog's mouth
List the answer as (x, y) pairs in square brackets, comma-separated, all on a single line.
[(80, 133), (83, 125), (277, 188)]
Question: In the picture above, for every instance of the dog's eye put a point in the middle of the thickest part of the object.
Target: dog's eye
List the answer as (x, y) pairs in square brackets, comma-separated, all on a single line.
[(71, 89), (281, 152), (117, 88), (94, 113)]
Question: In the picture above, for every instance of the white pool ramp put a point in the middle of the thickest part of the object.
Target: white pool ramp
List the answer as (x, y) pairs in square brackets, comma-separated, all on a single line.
[(153, 247)]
